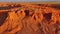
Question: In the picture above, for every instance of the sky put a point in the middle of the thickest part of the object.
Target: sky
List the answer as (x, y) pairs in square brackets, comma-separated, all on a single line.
[(25, 0)]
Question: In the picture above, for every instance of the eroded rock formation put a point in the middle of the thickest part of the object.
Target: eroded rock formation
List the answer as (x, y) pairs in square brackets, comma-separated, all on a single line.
[(29, 19)]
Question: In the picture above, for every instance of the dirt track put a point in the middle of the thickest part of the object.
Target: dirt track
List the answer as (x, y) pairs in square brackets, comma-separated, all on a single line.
[(29, 19)]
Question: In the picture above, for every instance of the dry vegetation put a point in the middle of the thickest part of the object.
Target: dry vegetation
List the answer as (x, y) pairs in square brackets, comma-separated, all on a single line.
[(29, 18)]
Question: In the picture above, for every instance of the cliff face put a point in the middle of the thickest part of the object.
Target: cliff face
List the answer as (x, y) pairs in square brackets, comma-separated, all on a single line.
[(29, 19)]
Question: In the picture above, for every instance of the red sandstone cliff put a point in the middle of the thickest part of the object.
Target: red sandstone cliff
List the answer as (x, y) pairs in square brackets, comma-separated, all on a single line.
[(29, 19)]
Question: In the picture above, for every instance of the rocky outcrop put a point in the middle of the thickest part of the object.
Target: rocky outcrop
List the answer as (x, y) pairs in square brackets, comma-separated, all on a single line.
[(29, 19)]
